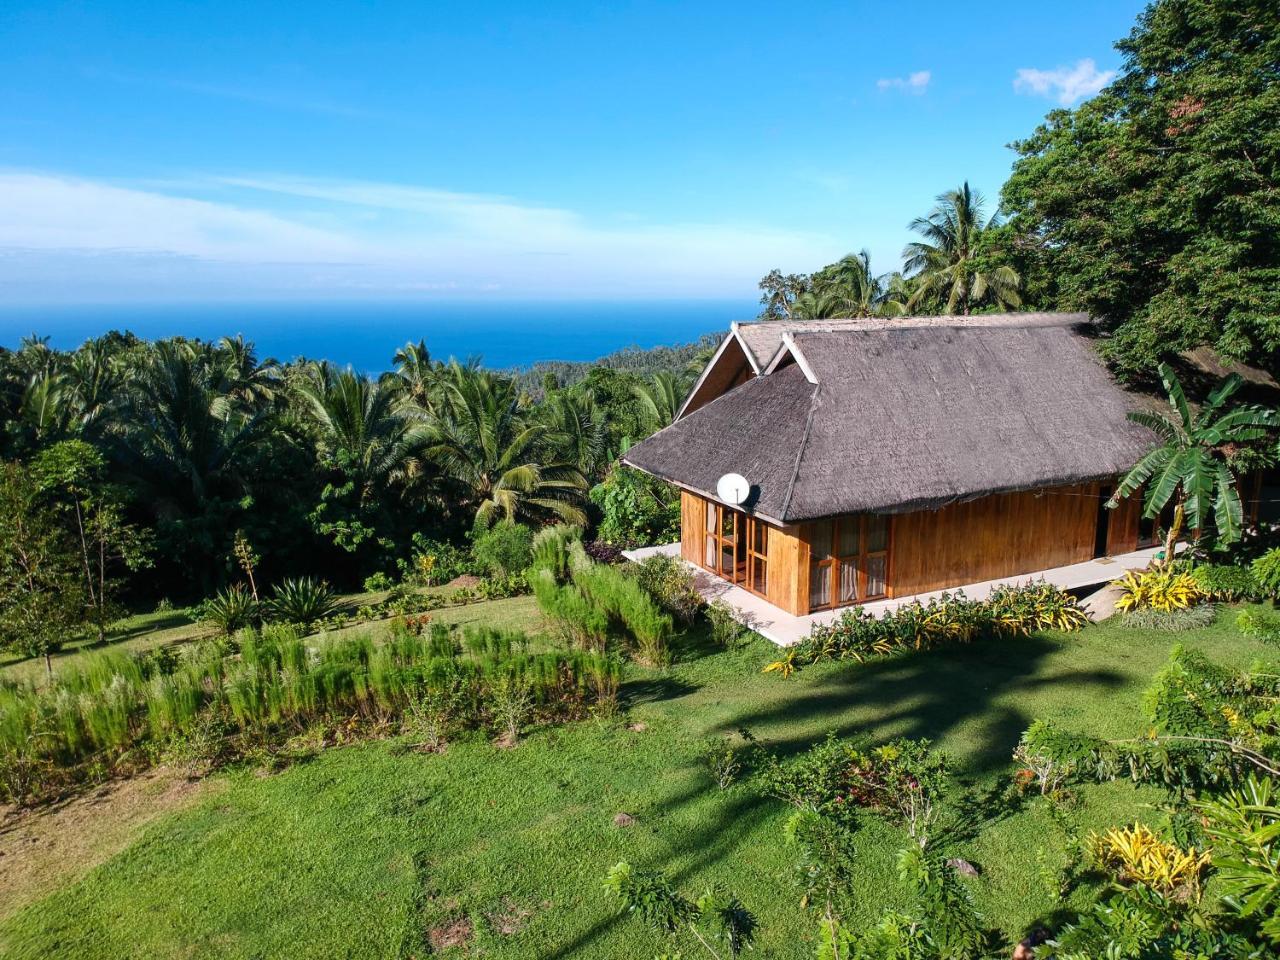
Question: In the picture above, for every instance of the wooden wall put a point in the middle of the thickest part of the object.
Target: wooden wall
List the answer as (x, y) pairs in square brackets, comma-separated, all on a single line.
[(998, 536), (693, 520), (788, 570), (985, 539)]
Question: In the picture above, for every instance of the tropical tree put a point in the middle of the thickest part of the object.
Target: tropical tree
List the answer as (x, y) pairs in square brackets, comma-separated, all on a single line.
[(660, 399), (367, 445), (1154, 205), (416, 376), (184, 446), (947, 265), (1190, 466), (846, 288), (503, 462), (576, 429)]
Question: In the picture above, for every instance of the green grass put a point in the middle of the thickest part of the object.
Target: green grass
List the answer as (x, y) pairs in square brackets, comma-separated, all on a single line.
[(366, 849)]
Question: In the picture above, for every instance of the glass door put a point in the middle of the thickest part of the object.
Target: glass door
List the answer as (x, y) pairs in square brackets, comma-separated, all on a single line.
[(736, 547), (848, 560)]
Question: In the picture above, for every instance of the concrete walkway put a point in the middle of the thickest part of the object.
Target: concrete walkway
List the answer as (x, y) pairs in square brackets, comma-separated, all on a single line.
[(784, 629)]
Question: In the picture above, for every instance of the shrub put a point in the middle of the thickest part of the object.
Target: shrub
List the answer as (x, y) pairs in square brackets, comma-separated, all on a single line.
[(1227, 583), (636, 509), (377, 582), (1266, 570), (603, 552), (1136, 855), (626, 604), (1260, 624), (434, 561), (503, 549), (303, 601), (579, 620), (1174, 621), (1159, 588), (902, 780), (551, 549), (726, 631), (232, 609), (950, 618), (671, 584)]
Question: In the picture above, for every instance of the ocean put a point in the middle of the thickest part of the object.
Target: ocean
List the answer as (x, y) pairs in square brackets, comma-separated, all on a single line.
[(504, 334)]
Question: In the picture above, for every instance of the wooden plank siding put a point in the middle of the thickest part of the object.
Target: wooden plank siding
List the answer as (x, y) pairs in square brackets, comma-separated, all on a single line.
[(788, 570), (998, 536), (693, 520), (1004, 535)]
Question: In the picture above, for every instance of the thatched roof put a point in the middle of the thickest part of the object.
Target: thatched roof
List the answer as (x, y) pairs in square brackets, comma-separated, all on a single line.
[(893, 416)]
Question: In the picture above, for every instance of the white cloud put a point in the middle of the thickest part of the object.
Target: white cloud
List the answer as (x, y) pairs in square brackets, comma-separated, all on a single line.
[(1068, 85), (65, 237), (916, 83)]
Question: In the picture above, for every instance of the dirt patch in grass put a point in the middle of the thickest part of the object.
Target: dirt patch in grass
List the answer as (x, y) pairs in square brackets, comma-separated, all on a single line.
[(46, 848), (508, 918), (452, 933)]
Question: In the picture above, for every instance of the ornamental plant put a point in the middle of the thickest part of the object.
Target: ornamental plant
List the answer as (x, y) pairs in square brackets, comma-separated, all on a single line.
[(1157, 588)]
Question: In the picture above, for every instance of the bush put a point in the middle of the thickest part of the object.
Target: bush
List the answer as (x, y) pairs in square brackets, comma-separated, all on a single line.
[(579, 620), (1175, 621), (503, 549), (726, 631), (950, 618), (232, 609), (603, 552), (902, 781), (1266, 570), (551, 549), (303, 601), (1260, 624), (434, 561), (637, 509), (627, 605), (1227, 583), (671, 584), (1159, 588), (377, 582)]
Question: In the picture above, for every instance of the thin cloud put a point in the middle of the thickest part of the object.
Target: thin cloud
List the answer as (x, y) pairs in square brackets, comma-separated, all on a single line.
[(914, 83), (1067, 85), (61, 234)]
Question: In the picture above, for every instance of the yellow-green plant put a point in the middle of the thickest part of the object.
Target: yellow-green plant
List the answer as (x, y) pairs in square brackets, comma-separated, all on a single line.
[(1137, 855), (1158, 588)]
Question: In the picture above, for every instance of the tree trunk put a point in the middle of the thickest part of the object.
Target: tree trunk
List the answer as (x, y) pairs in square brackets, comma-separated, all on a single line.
[(1175, 530), (48, 664)]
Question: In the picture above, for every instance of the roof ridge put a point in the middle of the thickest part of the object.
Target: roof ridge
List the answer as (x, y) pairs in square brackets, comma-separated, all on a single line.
[(804, 442)]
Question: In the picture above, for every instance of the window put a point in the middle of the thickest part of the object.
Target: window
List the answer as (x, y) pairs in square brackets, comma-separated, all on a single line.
[(848, 560), (736, 547)]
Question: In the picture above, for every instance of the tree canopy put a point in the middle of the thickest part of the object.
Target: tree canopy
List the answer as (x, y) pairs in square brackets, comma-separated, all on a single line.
[(1155, 206)]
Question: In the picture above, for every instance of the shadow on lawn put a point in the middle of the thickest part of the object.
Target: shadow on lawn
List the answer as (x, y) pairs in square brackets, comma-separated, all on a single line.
[(924, 694), (918, 694)]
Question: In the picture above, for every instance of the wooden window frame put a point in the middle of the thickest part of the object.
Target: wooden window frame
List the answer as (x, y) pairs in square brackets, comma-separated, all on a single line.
[(743, 527), (831, 566)]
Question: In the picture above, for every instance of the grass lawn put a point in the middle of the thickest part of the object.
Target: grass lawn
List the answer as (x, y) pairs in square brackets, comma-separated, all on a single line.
[(371, 851)]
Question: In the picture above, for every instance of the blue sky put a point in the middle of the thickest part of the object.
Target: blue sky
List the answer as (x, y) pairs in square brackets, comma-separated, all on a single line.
[(221, 151)]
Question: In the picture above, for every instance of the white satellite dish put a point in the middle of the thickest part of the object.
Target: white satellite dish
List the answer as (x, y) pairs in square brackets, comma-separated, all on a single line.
[(733, 489)]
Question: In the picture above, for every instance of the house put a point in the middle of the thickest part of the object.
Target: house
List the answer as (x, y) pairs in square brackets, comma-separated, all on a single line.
[(892, 458)]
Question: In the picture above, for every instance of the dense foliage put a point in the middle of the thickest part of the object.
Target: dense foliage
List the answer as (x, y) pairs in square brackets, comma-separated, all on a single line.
[(214, 469), (1154, 205)]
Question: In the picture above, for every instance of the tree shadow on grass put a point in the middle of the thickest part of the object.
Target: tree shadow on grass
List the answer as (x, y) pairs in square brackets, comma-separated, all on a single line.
[(918, 694), (924, 694), (654, 690)]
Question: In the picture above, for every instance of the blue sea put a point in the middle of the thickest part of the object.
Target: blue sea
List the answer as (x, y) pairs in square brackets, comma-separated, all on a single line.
[(504, 334)]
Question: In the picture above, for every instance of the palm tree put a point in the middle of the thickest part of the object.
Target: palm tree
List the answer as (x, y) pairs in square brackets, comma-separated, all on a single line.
[(185, 443), (576, 430), (1189, 466), (362, 435), (945, 264), (416, 375), (660, 399), (505, 463)]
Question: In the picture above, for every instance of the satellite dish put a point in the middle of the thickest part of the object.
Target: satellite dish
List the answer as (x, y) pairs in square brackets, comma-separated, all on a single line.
[(733, 489)]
